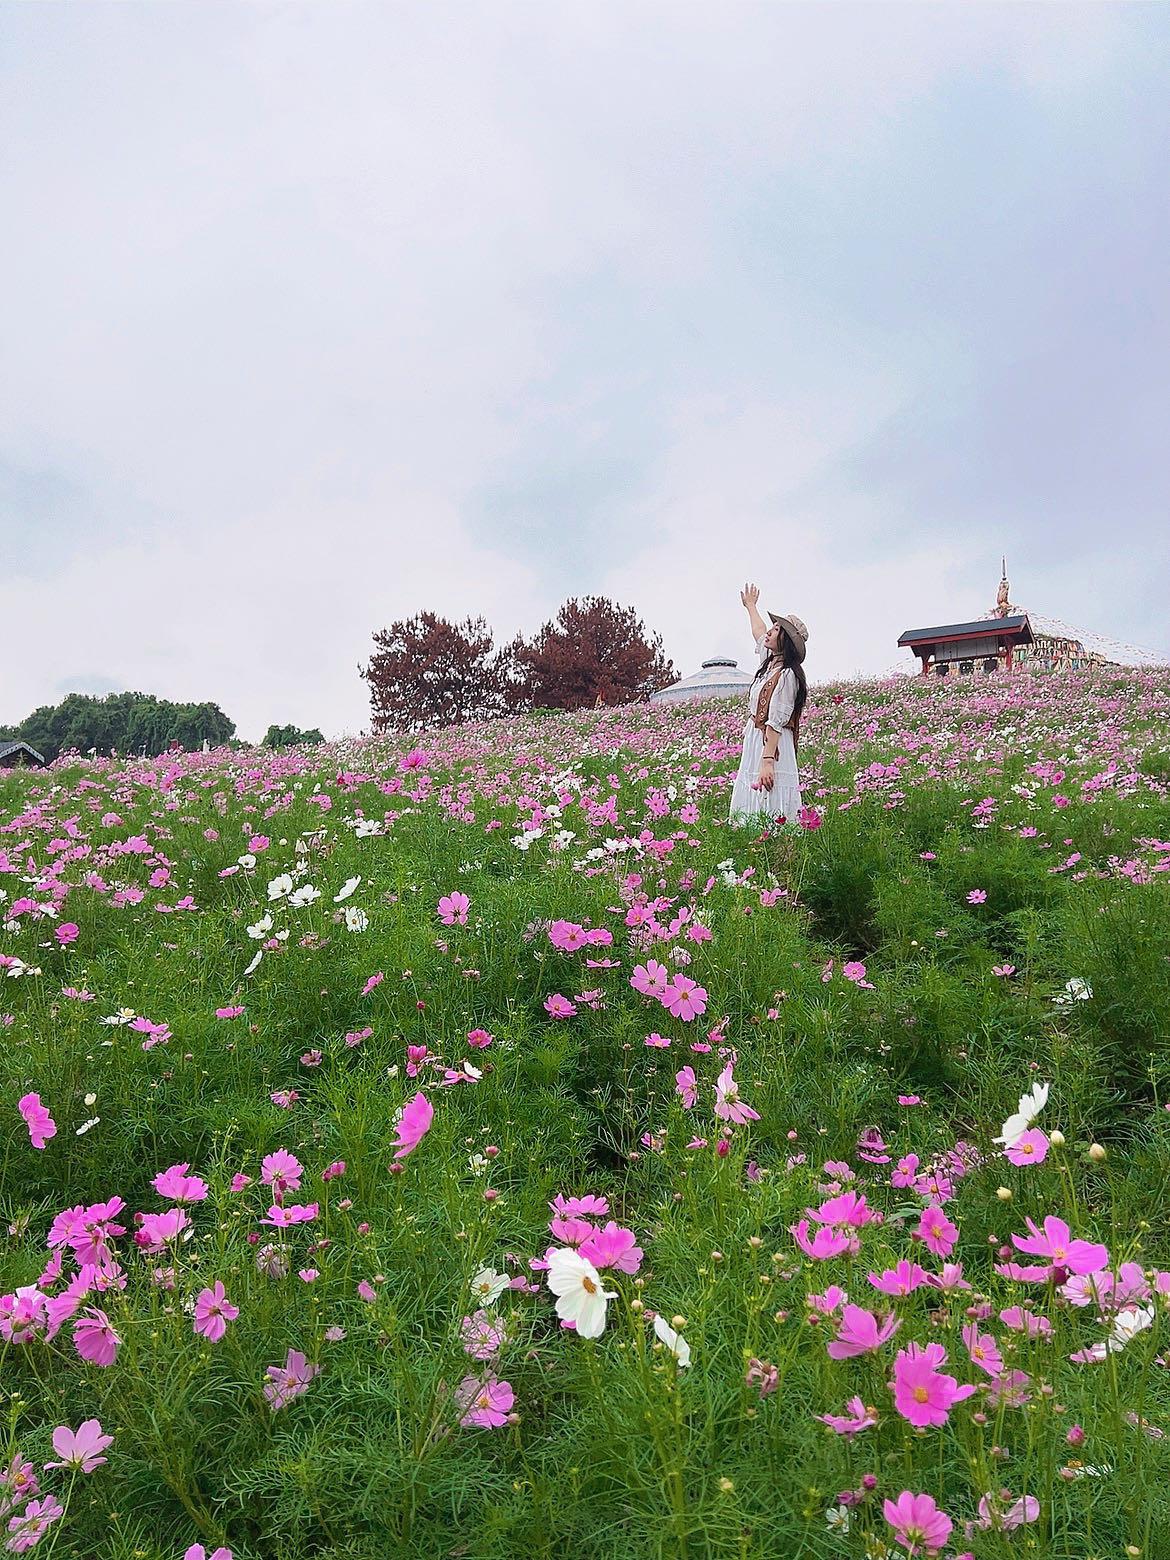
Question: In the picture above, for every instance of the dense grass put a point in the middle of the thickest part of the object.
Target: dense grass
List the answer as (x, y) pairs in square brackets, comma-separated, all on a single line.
[(612, 1449)]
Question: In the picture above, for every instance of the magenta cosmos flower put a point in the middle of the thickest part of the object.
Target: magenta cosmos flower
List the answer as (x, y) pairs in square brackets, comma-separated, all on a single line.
[(94, 1338), (1057, 1244), (67, 933), (483, 1335), (80, 1448), (856, 1418), (290, 1380), (197, 1552), (651, 978), (919, 1526), (414, 1122), (936, 1231), (177, 1186), (484, 1405), (860, 1332), (684, 1082), (728, 1105), (453, 909), (213, 1311), (923, 1395), (27, 1529), (684, 998), (1030, 1148), (41, 1126), (558, 1006)]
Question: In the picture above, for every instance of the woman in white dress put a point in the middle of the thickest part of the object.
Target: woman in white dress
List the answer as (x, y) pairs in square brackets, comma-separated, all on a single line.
[(768, 785)]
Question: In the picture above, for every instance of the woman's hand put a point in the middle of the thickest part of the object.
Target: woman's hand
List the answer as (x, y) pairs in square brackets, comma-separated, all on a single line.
[(749, 595), (767, 773)]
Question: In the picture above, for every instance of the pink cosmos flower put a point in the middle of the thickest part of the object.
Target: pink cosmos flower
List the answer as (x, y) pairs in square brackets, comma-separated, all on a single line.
[(374, 980), (177, 1186), (453, 909), (156, 1229), (67, 933), (685, 1085), (728, 1105), (23, 1315), (483, 1335), (937, 1232), (846, 1208), (413, 1124), (857, 1418), (588, 1205), (902, 1279), (213, 1311), (828, 1302), (685, 999), (827, 1242), (1020, 1319), (558, 1006), (904, 1171), (228, 1012), (567, 936), (1003, 970), (860, 1332), (762, 1375), (977, 896), (79, 1448), (613, 1247), (651, 978), (281, 1171), (288, 1381), (480, 1038), (1057, 1244), (94, 1338), (923, 1394), (1030, 1148), (993, 1514), (918, 1524), (334, 1171), (484, 1405), (28, 1528), (282, 1217), (909, 1099), (41, 1126), (197, 1552), (983, 1349), (657, 1040)]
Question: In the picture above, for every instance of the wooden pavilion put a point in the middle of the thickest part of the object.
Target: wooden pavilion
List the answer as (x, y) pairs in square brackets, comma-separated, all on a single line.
[(987, 643)]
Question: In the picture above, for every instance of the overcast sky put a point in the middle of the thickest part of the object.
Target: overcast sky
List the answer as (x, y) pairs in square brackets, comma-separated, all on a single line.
[(316, 315)]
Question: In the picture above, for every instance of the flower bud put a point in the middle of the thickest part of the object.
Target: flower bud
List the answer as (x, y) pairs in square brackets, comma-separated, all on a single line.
[(1004, 1193), (678, 1323), (1098, 1156), (1056, 1138)]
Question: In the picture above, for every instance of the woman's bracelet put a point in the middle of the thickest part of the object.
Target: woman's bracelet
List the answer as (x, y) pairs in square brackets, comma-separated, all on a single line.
[(769, 758)]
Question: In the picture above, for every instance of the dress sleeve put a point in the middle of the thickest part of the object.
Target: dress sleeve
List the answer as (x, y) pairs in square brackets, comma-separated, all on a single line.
[(783, 700), (760, 644)]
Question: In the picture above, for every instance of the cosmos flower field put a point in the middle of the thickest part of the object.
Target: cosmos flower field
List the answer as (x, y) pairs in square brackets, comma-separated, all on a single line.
[(478, 1148)]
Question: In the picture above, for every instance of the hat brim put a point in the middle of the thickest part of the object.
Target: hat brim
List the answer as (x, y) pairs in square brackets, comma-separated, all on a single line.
[(795, 639)]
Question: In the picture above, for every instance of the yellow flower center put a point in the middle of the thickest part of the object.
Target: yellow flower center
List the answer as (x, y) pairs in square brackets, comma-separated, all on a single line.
[(589, 1286), (920, 1395)]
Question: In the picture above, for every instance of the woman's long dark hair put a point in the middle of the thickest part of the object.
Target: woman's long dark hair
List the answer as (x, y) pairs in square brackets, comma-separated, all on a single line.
[(787, 655)]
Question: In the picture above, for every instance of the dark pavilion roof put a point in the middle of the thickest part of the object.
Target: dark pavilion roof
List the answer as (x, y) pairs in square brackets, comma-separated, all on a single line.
[(8, 749), (1017, 626)]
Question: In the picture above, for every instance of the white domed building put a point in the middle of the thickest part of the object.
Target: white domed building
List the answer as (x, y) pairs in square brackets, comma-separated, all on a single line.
[(718, 678)]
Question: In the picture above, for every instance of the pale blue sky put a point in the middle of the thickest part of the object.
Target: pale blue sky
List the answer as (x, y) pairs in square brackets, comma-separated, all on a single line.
[(320, 314)]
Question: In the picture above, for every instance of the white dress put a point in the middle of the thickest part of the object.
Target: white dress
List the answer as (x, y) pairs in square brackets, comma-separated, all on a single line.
[(784, 797)]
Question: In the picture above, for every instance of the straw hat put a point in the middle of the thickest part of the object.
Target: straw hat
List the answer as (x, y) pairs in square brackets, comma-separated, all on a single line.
[(795, 630)]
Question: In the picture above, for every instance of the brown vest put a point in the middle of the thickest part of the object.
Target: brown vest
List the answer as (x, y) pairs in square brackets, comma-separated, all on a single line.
[(760, 718)]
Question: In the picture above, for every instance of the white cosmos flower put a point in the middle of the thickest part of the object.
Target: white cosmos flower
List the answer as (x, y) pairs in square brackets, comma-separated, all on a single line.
[(260, 928), (1031, 1104), (346, 889), (838, 1519), (280, 886), (366, 827), (487, 1286), (122, 1016), (581, 1296), (255, 964), (674, 1341), (85, 1126), (304, 896), (356, 919), (1127, 1324), (247, 861)]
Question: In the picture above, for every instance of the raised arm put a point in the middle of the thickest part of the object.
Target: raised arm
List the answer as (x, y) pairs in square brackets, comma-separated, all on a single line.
[(750, 595)]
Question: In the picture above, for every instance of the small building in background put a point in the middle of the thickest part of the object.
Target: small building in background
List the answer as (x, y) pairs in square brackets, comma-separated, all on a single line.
[(20, 755), (718, 678), (1010, 638)]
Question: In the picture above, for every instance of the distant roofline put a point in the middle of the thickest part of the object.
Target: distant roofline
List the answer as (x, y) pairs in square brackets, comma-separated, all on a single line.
[(982, 628)]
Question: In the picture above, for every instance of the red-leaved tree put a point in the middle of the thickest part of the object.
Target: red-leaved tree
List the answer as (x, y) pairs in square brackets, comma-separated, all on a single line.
[(426, 671), (593, 651)]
